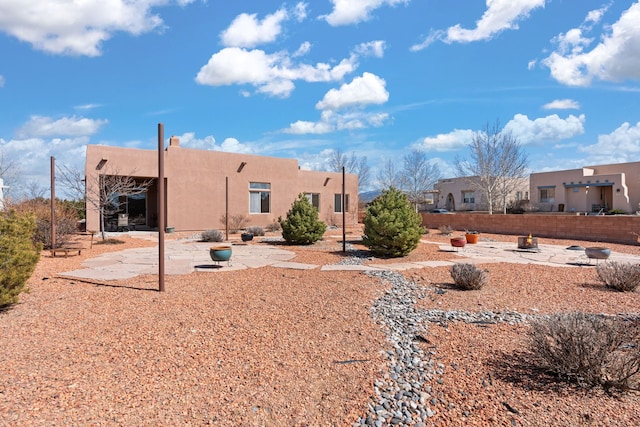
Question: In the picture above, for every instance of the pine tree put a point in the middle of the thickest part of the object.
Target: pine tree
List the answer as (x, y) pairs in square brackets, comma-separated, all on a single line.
[(391, 226), (18, 254), (302, 226)]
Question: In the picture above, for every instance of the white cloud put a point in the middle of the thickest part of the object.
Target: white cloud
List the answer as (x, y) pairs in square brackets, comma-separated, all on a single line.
[(347, 12), (454, 140), (302, 127), (1, 81), (270, 73), (300, 11), (500, 15), (562, 104), (33, 157), (78, 27), (247, 31), (549, 128), (621, 145), (231, 145), (304, 48), (615, 58), (354, 96), (40, 126), (368, 89), (374, 48)]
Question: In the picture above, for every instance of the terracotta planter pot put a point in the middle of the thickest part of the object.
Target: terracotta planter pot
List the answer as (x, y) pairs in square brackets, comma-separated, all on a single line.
[(472, 238), (458, 242)]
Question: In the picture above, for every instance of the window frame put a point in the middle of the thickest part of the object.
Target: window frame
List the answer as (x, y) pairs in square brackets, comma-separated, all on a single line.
[(469, 197), (263, 189), (311, 196), (337, 202)]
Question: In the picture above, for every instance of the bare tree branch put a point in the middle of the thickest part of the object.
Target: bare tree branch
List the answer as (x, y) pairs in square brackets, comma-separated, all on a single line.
[(418, 176), (352, 164), (389, 176), (497, 163)]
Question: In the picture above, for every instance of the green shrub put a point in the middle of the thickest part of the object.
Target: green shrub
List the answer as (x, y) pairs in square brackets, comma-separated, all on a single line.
[(212, 236), (392, 227), (468, 277), (623, 277), (302, 226), (588, 349), (18, 254)]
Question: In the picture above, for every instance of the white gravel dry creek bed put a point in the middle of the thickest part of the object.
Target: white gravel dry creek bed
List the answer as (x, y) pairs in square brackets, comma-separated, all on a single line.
[(277, 347)]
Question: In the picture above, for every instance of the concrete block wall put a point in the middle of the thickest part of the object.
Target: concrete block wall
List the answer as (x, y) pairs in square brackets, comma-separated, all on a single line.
[(607, 228)]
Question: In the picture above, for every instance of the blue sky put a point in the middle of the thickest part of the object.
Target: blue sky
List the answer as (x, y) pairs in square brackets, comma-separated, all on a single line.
[(299, 79)]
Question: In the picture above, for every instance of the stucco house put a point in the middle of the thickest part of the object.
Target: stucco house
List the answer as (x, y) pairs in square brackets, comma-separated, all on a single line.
[(463, 194), (591, 189), (201, 186)]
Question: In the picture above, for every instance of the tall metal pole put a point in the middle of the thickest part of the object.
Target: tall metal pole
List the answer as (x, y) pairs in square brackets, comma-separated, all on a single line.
[(161, 207), (344, 221), (53, 202), (226, 204)]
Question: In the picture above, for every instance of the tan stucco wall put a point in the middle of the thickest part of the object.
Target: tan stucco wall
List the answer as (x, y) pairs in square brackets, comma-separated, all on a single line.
[(455, 187), (196, 189), (615, 186)]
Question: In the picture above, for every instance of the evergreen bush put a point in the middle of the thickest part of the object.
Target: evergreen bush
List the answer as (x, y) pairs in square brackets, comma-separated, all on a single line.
[(302, 226), (391, 226), (19, 254)]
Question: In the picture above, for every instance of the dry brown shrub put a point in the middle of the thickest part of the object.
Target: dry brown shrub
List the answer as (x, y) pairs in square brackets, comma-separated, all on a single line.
[(588, 349), (623, 277), (469, 277)]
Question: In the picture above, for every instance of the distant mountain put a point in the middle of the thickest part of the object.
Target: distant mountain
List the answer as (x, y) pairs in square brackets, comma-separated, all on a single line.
[(368, 196)]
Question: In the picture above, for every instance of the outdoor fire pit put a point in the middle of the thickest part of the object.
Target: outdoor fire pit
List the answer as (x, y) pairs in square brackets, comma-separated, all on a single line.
[(527, 242)]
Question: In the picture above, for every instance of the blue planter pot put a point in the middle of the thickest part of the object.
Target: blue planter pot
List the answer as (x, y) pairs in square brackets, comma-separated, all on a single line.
[(220, 253)]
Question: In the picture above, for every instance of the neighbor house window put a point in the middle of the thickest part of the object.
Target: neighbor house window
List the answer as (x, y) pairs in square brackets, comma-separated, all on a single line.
[(518, 195), (547, 195), (259, 197), (314, 199), (468, 197), (337, 203)]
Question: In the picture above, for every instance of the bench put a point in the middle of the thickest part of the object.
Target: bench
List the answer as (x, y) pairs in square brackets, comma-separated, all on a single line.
[(66, 251)]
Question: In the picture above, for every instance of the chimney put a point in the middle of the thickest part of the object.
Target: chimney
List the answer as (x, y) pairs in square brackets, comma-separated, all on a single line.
[(174, 141)]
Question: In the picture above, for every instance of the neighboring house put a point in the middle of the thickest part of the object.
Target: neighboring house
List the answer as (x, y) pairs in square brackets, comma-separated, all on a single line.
[(464, 194), (202, 186), (589, 189)]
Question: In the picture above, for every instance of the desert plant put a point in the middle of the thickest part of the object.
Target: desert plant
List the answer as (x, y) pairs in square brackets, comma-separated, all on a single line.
[(302, 226), (588, 349), (469, 277), (256, 230), (236, 222), (212, 236), (623, 277), (274, 226), (66, 220), (19, 254), (392, 227), (445, 230)]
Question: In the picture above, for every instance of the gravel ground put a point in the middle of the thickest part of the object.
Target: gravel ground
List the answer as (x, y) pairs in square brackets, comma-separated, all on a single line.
[(274, 347)]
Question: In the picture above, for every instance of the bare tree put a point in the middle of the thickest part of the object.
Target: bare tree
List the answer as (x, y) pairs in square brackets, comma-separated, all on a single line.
[(496, 164), (389, 176), (9, 172), (352, 164), (105, 192), (418, 176)]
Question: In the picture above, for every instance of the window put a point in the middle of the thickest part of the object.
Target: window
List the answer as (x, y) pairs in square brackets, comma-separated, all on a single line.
[(259, 197), (547, 195), (468, 197), (337, 203), (314, 199), (518, 195)]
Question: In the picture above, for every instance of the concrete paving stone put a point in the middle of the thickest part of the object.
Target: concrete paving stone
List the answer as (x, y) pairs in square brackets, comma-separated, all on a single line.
[(340, 267), (294, 265), (397, 266), (434, 263)]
